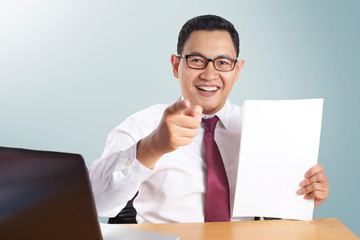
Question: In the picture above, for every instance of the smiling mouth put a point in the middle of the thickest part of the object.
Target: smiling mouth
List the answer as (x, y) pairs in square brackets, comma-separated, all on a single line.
[(208, 89)]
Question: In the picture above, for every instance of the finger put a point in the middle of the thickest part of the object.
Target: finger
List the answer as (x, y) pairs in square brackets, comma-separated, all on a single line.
[(184, 121), (318, 195), (197, 112), (315, 169), (194, 111), (309, 196), (322, 187), (178, 107), (185, 141), (185, 138), (318, 177), (185, 132), (318, 198)]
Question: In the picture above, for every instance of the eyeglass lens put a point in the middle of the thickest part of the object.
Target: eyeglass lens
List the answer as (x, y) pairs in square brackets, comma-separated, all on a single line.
[(200, 62)]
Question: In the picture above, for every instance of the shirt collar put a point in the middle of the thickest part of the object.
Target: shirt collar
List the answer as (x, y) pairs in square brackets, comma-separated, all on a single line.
[(222, 114)]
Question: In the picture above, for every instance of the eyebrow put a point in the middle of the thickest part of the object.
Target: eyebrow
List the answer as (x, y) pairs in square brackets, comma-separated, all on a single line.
[(219, 56)]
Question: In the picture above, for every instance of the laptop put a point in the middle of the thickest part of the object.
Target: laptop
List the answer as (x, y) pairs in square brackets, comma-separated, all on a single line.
[(47, 195)]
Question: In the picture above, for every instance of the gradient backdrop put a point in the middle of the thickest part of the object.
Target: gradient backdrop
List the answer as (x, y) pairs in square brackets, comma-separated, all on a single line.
[(70, 71)]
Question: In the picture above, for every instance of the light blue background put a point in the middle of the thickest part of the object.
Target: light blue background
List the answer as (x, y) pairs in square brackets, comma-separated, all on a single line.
[(71, 71)]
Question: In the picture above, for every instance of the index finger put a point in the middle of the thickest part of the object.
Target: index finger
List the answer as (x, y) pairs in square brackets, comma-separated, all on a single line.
[(315, 169), (178, 107)]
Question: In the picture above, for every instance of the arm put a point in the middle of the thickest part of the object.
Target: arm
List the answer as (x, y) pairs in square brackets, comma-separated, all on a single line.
[(117, 176)]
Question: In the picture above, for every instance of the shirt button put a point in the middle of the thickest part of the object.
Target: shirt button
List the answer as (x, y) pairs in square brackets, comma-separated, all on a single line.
[(128, 162)]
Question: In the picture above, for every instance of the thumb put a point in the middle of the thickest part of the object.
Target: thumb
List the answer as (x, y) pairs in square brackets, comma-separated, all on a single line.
[(194, 111)]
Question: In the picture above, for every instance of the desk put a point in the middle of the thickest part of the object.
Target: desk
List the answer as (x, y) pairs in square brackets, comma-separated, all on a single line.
[(322, 228)]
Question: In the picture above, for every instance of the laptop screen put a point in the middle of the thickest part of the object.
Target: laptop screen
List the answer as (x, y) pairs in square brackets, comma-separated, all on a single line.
[(45, 195)]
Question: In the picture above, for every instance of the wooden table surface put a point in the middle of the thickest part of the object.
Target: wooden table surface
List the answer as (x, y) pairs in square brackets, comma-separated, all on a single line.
[(321, 228)]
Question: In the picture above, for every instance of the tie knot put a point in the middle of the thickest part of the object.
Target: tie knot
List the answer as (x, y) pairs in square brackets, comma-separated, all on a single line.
[(210, 124)]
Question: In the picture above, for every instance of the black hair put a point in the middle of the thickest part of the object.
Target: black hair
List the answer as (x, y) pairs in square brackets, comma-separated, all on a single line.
[(208, 23)]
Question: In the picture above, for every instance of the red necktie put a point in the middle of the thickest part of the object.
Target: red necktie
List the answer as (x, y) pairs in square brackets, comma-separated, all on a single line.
[(217, 206)]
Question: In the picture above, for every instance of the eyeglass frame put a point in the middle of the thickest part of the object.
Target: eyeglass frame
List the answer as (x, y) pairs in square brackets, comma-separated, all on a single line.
[(208, 60)]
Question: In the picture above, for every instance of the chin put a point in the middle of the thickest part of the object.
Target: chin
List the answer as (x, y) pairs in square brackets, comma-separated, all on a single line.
[(208, 110)]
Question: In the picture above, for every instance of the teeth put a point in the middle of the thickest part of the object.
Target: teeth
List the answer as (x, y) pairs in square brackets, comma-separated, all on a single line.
[(207, 88)]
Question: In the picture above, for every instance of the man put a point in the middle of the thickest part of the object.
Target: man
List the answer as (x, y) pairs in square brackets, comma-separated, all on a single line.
[(160, 152)]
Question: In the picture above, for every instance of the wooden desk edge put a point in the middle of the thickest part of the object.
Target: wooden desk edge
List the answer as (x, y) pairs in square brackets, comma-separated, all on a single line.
[(323, 227)]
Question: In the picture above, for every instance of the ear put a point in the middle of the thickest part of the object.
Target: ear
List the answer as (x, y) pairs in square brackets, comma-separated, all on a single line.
[(175, 65), (238, 66)]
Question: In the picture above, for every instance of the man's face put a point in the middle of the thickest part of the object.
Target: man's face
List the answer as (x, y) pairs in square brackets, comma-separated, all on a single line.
[(208, 87)]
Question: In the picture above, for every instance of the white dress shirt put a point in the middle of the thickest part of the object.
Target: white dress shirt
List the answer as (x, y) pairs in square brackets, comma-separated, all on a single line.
[(175, 189)]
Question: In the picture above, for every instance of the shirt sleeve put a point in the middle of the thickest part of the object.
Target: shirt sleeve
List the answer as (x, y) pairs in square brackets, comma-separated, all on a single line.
[(116, 176)]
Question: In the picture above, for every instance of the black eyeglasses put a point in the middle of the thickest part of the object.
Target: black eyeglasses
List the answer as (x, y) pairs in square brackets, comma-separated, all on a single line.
[(222, 64)]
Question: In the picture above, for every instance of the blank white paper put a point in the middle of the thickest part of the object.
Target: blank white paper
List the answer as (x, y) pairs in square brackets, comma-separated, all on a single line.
[(279, 143)]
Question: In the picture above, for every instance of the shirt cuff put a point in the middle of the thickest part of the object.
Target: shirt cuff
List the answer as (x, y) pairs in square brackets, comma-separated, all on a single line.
[(130, 169)]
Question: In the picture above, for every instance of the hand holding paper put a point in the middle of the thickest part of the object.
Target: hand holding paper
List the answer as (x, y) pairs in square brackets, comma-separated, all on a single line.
[(315, 186), (279, 143)]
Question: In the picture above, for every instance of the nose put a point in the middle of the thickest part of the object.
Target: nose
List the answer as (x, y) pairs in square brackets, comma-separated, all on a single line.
[(210, 73)]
